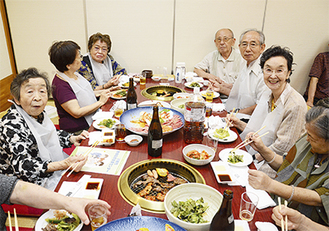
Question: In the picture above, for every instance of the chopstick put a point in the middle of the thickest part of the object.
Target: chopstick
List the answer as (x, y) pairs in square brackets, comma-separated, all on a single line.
[(9, 220), (16, 221), (84, 154), (227, 122), (282, 221), (246, 142), (286, 217)]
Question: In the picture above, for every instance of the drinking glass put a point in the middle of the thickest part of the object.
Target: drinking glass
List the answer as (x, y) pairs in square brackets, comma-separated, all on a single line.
[(248, 206), (142, 79), (97, 215), (120, 132), (210, 142), (164, 78)]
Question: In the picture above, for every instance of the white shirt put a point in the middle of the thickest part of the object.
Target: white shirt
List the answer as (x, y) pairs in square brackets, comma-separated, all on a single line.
[(248, 87), (228, 70)]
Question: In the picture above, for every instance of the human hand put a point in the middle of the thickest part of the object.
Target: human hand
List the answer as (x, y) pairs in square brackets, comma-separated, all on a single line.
[(76, 140), (295, 218), (76, 162), (309, 104), (259, 180), (232, 120), (114, 80), (257, 143), (114, 88), (104, 96), (79, 206)]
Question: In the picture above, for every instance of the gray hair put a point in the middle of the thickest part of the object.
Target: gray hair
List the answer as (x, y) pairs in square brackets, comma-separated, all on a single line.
[(24, 76), (225, 29), (261, 35), (318, 116)]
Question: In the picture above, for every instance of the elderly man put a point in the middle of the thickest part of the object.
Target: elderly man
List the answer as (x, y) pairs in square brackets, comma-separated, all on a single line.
[(223, 64), (249, 85)]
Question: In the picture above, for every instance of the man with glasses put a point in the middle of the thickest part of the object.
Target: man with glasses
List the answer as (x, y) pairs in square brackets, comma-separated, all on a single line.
[(249, 85), (222, 65)]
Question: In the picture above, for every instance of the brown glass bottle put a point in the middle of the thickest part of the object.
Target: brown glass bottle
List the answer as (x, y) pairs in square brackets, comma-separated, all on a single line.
[(154, 138), (131, 95), (223, 219)]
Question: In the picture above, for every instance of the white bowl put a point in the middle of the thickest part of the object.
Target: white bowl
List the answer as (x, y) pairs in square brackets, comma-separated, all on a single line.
[(131, 140), (199, 148), (181, 95), (156, 78), (177, 102), (194, 191)]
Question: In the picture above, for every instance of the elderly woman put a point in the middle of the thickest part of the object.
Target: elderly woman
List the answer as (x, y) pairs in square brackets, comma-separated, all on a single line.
[(30, 147), (281, 108), (74, 98), (303, 174), (98, 66)]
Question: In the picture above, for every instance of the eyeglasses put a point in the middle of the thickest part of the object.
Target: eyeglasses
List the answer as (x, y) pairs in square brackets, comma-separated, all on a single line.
[(102, 49), (251, 45), (225, 39)]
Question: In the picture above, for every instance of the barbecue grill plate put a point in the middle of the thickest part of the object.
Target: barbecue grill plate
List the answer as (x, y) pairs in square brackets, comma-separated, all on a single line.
[(136, 170)]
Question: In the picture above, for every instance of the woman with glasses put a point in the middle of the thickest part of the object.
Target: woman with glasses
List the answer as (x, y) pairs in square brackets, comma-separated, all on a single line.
[(281, 108), (98, 66), (74, 98)]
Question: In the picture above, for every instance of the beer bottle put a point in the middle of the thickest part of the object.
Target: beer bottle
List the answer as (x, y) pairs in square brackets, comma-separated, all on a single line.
[(131, 95), (223, 219), (154, 138)]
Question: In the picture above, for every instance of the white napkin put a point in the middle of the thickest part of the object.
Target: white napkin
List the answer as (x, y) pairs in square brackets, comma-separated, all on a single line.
[(215, 121), (94, 136), (240, 175), (264, 200), (265, 226), (218, 107), (102, 115), (241, 225), (118, 104)]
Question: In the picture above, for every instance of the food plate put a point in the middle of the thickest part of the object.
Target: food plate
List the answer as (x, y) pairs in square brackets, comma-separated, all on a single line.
[(222, 172), (203, 93), (134, 114), (124, 84), (233, 136), (188, 85), (101, 127), (181, 95), (41, 222), (247, 158), (156, 78), (113, 96), (151, 103), (137, 222)]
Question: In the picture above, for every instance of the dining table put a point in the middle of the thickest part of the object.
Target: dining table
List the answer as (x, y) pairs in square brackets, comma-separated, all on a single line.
[(173, 145)]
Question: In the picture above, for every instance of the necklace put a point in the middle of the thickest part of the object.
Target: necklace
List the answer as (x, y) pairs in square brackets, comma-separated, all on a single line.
[(318, 161)]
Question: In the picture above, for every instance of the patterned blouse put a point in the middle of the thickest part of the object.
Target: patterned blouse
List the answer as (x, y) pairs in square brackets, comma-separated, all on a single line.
[(87, 72), (19, 153)]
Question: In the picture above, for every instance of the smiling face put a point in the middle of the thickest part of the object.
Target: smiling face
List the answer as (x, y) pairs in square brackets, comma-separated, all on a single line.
[(319, 145), (99, 51), (275, 74), (250, 47), (224, 41), (33, 96)]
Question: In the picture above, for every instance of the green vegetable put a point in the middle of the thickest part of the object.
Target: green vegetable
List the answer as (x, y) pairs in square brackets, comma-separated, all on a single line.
[(221, 133), (182, 106), (190, 210), (122, 93), (233, 158), (107, 123), (61, 225), (194, 84)]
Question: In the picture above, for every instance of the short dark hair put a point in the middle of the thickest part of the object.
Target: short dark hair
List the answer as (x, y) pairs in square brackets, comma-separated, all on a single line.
[(63, 53), (24, 76), (318, 116), (275, 51), (102, 37)]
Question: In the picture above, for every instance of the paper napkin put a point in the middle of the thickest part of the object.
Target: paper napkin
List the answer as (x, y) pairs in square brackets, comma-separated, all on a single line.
[(264, 199), (102, 115), (265, 226)]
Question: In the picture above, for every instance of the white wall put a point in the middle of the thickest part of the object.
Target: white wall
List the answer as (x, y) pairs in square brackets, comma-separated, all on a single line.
[(151, 33), (5, 67)]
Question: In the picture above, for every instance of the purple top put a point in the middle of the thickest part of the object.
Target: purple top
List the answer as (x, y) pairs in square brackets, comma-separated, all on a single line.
[(62, 92)]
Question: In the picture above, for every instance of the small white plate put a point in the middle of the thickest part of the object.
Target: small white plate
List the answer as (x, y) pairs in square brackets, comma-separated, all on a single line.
[(247, 158), (232, 137), (181, 95), (222, 172), (203, 93), (188, 85), (42, 223), (156, 78), (113, 97), (151, 103), (101, 127), (129, 138), (122, 84)]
